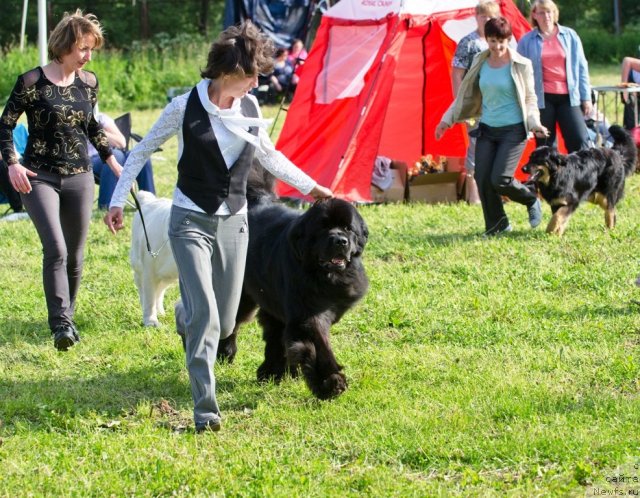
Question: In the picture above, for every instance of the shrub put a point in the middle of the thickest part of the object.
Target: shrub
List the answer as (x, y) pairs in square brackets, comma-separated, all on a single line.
[(602, 47), (134, 78)]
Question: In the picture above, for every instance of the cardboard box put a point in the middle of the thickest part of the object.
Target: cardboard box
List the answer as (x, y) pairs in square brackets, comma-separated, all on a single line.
[(434, 188), (398, 190), (455, 163)]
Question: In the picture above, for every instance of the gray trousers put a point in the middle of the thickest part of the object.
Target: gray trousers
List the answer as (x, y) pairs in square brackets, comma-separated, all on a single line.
[(60, 208), (498, 151), (210, 253)]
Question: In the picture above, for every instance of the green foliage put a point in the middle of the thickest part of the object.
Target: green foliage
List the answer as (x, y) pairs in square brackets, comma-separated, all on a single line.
[(603, 48), (13, 63), (476, 367), (123, 20), (140, 77), (598, 14), (135, 78)]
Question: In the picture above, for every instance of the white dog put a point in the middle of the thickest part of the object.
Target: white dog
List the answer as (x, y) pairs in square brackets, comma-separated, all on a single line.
[(152, 273)]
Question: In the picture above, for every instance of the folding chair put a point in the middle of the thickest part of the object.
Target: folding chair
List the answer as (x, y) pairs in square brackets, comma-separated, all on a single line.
[(124, 125)]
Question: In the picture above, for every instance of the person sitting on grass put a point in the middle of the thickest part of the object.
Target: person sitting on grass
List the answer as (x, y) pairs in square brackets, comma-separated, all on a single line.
[(7, 193), (280, 80), (101, 170)]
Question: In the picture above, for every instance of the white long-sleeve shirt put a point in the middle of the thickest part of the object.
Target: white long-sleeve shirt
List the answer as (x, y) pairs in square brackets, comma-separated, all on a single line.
[(231, 144)]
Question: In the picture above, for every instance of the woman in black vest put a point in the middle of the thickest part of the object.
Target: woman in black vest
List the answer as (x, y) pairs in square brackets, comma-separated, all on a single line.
[(220, 130)]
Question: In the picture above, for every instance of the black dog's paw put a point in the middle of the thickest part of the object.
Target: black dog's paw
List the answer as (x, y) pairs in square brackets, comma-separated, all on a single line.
[(227, 349), (270, 372), (332, 387)]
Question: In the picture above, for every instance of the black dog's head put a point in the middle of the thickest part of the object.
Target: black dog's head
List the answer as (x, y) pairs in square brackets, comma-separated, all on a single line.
[(329, 235), (543, 164)]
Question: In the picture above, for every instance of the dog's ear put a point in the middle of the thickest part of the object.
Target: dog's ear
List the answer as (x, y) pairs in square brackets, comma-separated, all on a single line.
[(556, 159), (296, 237), (362, 235)]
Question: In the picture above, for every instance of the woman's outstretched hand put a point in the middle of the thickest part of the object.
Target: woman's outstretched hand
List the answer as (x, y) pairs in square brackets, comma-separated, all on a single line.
[(320, 192)]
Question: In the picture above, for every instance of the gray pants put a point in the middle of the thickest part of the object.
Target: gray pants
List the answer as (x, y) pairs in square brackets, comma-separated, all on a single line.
[(498, 151), (210, 253), (60, 208)]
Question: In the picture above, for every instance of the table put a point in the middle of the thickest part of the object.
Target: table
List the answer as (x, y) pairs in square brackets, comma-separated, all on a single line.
[(602, 91)]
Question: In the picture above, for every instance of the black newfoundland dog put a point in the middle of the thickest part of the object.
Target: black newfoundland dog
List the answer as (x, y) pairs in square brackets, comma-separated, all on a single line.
[(304, 271), (597, 175)]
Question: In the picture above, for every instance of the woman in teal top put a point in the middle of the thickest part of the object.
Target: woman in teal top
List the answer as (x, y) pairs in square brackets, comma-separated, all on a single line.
[(499, 91)]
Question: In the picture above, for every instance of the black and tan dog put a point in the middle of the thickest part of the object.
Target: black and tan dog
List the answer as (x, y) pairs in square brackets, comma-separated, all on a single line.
[(597, 175)]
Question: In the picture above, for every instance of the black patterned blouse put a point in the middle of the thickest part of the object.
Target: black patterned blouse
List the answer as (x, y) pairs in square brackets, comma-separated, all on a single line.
[(60, 120)]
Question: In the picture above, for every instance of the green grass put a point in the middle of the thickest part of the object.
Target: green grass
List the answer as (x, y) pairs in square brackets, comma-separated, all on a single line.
[(476, 367)]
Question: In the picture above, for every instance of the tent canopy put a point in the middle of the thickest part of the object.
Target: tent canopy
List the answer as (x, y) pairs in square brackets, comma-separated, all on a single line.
[(376, 82)]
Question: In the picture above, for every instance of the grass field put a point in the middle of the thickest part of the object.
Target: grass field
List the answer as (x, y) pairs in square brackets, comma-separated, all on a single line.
[(500, 367)]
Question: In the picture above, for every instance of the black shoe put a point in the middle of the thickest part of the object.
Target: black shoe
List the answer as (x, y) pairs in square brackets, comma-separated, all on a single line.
[(212, 425), (64, 336), (76, 334)]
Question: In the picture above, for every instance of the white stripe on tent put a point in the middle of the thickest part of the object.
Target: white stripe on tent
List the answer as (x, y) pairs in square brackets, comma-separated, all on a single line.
[(377, 9)]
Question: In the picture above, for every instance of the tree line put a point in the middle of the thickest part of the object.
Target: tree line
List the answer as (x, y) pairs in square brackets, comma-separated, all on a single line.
[(124, 21), (128, 21)]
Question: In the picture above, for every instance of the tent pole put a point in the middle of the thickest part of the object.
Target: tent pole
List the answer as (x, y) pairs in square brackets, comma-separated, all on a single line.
[(423, 147), (42, 31), (23, 24)]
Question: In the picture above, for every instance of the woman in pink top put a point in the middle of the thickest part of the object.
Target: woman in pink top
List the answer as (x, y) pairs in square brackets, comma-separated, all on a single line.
[(561, 75)]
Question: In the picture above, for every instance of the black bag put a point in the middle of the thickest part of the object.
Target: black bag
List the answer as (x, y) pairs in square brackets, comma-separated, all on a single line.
[(7, 189), (629, 116)]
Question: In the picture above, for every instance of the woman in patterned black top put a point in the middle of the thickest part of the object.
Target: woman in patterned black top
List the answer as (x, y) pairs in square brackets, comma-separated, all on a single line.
[(55, 180)]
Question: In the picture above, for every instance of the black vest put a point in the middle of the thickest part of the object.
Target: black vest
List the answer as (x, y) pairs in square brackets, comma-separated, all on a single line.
[(203, 175)]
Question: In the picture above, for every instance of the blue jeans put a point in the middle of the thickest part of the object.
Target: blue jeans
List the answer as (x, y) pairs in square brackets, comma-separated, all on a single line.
[(107, 180)]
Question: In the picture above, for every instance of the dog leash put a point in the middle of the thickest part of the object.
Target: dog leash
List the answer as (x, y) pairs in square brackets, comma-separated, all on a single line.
[(144, 227)]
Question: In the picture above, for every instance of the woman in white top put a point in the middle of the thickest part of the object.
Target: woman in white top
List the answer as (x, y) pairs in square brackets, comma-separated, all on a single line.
[(220, 130)]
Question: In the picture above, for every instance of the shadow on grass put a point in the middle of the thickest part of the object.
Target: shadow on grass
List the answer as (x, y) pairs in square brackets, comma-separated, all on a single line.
[(455, 238), (34, 332), (63, 403), (629, 308)]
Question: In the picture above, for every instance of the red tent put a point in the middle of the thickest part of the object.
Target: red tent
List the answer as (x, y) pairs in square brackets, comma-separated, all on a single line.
[(377, 80)]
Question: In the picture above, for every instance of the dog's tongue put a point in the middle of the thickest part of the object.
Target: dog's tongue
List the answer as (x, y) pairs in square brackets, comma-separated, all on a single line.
[(337, 261)]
